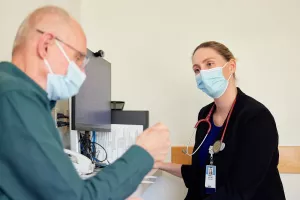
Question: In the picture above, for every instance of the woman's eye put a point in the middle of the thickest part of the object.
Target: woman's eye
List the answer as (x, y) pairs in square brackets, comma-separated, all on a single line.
[(209, 64)]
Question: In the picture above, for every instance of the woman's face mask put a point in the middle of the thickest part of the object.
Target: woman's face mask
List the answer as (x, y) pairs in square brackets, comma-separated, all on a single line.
[(212, 81)]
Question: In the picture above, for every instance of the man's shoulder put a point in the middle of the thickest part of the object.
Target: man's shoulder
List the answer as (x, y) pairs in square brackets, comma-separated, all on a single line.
[(9, 82)]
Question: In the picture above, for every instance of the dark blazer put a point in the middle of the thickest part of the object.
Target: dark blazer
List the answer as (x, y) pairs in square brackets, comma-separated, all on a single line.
[(247, 167)]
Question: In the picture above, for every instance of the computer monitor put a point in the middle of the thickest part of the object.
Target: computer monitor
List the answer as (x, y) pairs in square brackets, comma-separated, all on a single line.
[(90, 108)]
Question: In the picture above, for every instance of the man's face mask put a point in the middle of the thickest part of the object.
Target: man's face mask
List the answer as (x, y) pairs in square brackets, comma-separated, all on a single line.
[(64, 86)]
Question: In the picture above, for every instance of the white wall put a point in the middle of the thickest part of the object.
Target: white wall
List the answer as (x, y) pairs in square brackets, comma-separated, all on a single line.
[(149, 44), (13, 12)]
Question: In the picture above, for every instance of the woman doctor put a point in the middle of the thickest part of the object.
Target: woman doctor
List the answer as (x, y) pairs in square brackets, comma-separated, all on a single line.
[(235, 156)]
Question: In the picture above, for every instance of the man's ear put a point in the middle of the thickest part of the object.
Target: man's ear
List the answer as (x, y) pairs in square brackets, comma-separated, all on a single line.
[(43, 45)]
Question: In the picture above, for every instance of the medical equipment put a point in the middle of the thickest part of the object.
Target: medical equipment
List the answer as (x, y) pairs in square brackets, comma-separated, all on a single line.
[(218, 145), (82, 164)]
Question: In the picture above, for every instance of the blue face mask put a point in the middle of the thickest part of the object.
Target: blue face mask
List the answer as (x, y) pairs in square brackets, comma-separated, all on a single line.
[(64, 86), (212, 82)]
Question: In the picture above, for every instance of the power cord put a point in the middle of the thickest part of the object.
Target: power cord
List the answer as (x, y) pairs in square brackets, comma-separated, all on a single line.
[(95, 158), (62, 124), (85, 144), (61, 116), (94, 149), (88, 148)]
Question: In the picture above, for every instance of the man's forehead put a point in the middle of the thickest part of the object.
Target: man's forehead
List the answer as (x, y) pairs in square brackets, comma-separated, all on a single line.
[(77, 37)]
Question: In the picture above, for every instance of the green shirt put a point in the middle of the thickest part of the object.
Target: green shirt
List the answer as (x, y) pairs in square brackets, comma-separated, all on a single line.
[(33, 165)]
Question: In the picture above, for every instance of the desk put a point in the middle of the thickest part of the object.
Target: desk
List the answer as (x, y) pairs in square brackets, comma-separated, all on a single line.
[(149, 179), (289, 158)]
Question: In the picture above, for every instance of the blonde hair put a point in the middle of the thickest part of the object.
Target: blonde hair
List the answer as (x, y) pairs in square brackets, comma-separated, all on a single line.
[(219, 48)]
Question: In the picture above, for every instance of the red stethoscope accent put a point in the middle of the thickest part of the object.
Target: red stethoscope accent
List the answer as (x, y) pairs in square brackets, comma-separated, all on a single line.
[(207, 120)]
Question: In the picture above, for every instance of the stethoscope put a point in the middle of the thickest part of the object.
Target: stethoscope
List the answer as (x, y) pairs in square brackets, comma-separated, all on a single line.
[(219, 145)]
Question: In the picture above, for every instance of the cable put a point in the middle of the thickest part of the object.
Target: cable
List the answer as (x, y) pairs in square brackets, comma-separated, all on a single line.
[(103, 150), (88, 148), (85, 145), (62, 124), (94, 140), (94, 153), (61, 116)]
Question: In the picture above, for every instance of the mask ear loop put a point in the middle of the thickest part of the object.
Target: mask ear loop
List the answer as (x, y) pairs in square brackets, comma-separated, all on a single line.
[(230, 74), (229, 77), (62, 50), (225, 64), (48, 66), (227, 80)]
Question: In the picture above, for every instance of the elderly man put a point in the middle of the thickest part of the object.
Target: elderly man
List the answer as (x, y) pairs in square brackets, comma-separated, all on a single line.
[(48, 62)]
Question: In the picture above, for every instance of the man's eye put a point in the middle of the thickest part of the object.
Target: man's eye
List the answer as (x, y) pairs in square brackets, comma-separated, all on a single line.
[(78, 58)]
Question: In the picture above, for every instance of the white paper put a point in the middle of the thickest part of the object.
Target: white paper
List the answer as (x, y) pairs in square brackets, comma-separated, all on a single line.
[(117, 141)]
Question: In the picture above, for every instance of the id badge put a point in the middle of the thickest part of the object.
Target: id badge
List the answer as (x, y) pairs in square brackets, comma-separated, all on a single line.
[(210, 179)]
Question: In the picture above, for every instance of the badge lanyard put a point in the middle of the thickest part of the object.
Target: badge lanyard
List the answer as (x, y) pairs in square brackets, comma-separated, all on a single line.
[(219, 145)]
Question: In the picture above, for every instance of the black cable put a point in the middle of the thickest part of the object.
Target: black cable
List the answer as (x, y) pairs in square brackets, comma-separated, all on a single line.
[(62, 124), (86, 147), (103, 150), (61, 116)]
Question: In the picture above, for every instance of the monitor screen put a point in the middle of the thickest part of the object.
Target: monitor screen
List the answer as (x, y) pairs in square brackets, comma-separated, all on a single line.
[(91, 109)]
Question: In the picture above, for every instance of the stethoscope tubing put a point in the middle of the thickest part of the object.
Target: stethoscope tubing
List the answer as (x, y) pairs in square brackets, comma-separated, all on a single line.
[(206, 119)]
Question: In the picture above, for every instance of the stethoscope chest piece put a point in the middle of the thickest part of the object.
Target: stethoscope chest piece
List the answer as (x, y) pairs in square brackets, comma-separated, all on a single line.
[(218, 146), (222, 146)]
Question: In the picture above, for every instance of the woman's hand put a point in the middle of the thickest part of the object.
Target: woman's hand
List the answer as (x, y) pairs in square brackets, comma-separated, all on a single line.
[(172, 168)]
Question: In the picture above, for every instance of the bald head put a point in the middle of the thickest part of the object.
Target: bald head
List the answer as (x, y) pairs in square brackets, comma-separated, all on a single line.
[(36, 41), (44, 17), (50, 19)]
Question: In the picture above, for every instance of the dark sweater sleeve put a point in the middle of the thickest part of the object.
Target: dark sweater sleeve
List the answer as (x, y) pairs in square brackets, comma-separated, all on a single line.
[(255, 150), (187, 174), (34, 166)]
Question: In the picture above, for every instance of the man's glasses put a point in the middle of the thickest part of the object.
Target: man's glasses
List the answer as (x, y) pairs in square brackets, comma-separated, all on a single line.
[(82, 57)]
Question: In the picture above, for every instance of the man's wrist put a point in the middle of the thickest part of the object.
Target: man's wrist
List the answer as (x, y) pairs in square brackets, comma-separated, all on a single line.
[(161, 165), (144, 148)]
